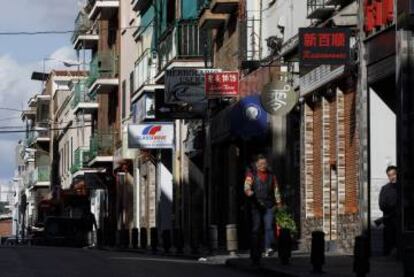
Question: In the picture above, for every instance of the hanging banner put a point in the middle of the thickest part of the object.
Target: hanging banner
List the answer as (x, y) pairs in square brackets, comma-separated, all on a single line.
[(319, 46), (151, 136), (186, 85), (222, 84)]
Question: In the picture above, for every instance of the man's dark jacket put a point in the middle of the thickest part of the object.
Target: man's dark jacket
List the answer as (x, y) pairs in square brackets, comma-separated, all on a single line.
[(388, 201)]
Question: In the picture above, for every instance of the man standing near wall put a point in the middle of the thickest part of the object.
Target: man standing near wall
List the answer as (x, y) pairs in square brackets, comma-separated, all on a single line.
[(262, 189), (388, 202)]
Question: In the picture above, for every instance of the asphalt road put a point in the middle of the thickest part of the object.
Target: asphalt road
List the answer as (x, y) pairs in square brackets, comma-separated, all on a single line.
[(71, 262)]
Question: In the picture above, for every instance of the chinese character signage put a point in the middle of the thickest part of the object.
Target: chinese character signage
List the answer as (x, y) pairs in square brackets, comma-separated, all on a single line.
[(151, 136), (319, 46), (222, 84), (186, 85), (279, 98)]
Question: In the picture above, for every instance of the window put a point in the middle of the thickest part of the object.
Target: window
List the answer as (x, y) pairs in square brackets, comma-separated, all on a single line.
[(123, 98), (71, 151), (147, 16)]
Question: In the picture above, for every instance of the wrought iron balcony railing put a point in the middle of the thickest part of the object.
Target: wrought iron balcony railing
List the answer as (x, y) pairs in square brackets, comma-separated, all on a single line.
[(319, 9), (180, 42), (81, 94), (83, 25), (79, 161), (103, 65), (102, 143)]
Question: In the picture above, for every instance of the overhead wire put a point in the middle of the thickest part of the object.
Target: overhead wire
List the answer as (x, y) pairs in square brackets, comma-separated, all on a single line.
[(63, 32), (42, 130)]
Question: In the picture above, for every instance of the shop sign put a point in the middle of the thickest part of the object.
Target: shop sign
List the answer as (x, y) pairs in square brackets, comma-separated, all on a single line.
[(222, 84), (151, 136), (144, 108), (186, 85), (278, 98), (165, 111), (318, 46)]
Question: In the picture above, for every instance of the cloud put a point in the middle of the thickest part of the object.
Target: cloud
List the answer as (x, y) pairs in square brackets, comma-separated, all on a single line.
[(38, 15), (23, 55), (16, 88)]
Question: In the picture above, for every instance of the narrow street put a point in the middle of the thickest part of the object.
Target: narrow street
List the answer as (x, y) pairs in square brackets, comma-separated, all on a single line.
[(73, 262)]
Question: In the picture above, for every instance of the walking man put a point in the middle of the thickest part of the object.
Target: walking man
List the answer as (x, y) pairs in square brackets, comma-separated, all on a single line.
[(388, 203), (90, 224), (262, 189)]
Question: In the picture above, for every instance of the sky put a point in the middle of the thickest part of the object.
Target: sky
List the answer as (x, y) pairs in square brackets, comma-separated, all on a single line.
[(21, 55)]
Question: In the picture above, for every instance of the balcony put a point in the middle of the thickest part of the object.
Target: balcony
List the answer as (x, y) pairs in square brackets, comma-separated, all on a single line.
[(86, 34), (99, 6), (224, 6), (102, 145), (103, 72), (40, 177), (81, 99), (319, 9), (211, 20), (139, 5), (338, 2), (79, 161), (145, 71), (180, 46), (39, 134)]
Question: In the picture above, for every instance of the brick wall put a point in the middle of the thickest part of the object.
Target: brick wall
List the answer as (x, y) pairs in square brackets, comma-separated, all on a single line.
[(330, 163), (317, 160), (351, 166), (5, 227)]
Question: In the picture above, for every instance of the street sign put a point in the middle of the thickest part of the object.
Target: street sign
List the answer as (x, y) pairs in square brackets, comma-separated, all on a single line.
[(186, 85), (222, 84), (278, 98), (319, 46), (164, 111), (151, 136)]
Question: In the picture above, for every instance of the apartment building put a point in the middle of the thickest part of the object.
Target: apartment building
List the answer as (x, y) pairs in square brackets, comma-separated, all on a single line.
[(98, 35), (36, 155)]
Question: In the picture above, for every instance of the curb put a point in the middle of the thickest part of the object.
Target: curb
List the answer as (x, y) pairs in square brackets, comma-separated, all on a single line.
[(149, 252)]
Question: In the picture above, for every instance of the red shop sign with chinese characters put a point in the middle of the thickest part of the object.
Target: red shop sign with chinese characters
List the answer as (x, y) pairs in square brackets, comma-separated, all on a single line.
[(319, 46), (222, 84)]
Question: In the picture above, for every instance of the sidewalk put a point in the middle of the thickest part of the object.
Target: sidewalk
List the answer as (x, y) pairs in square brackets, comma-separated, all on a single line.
[(335, 265)]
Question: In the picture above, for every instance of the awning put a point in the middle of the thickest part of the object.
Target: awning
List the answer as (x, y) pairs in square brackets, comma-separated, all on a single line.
[(246, 119)]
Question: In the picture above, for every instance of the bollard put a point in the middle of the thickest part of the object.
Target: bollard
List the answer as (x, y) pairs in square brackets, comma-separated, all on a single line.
[(134, 238), (119, 238), (166, 240), (143, 238), (285, 246), (318, 251), (127, 238), (99, 237), (361, 256), (178, 241), (231, 238), (213, 237), (154, 239), (408, 258)]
